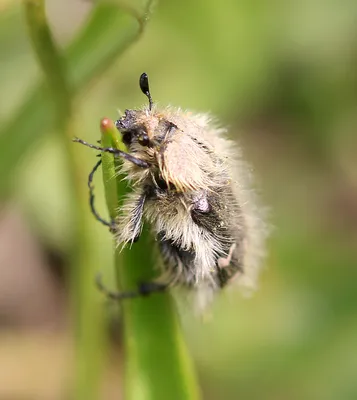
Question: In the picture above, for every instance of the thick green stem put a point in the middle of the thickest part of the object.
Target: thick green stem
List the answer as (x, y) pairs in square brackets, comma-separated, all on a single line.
[(157, 363), (89, 331)]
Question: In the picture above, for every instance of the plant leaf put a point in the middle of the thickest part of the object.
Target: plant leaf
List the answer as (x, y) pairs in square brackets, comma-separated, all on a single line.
[(108, 32)]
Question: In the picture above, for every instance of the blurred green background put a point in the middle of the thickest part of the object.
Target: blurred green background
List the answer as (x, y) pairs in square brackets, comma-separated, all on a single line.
[(282, 76)]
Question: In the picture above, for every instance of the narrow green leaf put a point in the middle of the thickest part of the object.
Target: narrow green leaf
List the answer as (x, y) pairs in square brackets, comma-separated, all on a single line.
[(109, 31)]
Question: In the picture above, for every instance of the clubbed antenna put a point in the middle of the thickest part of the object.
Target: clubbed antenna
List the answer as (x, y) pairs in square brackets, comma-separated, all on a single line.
[(144, 86)]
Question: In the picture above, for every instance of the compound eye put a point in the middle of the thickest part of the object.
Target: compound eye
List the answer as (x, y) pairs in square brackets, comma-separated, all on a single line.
[(127, 138), (143, 139)]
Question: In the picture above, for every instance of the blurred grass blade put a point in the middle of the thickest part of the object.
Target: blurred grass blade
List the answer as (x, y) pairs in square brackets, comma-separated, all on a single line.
[(157, 363), (50, 59), (108, 32), (88, 325)]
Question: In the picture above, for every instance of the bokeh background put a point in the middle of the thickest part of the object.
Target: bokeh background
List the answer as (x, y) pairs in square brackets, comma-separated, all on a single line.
[(282, 76)]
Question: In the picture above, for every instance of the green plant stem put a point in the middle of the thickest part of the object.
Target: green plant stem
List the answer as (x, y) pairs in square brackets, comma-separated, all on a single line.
[(157, 363), (50, 59), (89, 332)]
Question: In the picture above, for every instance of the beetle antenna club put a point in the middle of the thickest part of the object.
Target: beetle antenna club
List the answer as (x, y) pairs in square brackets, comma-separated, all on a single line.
[(144, 86)]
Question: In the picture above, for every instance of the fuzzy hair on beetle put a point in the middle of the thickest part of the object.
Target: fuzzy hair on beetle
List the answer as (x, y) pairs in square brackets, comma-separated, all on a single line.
[(190, 184)]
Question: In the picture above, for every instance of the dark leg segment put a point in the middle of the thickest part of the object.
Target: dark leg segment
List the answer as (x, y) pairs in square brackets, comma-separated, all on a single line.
[(144, 289), (137, 161), (91, 198)]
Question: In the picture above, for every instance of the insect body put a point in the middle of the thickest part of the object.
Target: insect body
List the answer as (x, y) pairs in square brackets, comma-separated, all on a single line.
[(190, 184)]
